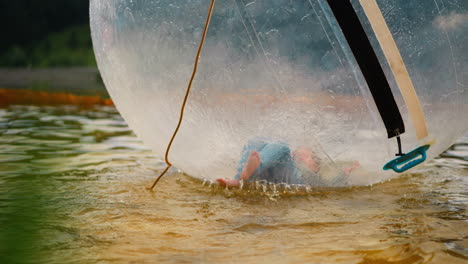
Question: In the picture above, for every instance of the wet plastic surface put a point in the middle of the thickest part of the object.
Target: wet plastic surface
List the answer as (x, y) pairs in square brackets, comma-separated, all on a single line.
[(277, 69)]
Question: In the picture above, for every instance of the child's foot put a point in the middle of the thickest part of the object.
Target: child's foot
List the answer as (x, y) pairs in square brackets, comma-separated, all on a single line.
[(253, 162), (355, 165), (228, 183), (308, 158)]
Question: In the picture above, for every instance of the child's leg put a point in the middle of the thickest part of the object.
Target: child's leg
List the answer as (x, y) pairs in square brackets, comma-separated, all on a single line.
[(273, 154), (260, 157), (249, 162), (252, 164), (278, 165), (262, 160), (252, 145)]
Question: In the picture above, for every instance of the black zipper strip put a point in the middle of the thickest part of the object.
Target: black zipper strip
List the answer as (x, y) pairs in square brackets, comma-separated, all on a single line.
[(369, 64)]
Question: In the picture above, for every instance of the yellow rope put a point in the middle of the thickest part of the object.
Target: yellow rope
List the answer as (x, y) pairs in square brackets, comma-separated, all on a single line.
[(189, 87)]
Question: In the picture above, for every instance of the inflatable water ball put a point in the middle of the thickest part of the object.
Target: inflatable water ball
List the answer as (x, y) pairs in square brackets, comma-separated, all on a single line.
[(351, 81)]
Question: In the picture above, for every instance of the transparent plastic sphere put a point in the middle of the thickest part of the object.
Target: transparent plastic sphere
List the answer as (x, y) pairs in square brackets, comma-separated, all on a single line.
[(277, 69)]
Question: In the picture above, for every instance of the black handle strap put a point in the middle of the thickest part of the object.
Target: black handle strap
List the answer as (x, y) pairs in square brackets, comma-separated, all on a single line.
[(369, 64)]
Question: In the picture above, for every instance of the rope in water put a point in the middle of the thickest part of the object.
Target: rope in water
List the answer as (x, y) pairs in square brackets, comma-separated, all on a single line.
[(189, 87)]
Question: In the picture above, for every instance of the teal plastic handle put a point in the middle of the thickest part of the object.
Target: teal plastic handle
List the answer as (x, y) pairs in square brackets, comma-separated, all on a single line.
[(409, 160)]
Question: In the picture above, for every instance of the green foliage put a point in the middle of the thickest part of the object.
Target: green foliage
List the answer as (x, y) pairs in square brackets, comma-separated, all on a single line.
[(45, 33), (25, 22), (16, 56), (71, 47)]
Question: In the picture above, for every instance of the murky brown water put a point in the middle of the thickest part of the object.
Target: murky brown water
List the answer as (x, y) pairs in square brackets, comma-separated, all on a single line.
[(72, 191)]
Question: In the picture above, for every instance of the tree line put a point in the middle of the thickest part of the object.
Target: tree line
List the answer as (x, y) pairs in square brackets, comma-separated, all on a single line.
[(45, 33)]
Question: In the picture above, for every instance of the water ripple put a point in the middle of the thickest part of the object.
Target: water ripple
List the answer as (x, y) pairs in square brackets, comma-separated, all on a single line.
[(72, 188)]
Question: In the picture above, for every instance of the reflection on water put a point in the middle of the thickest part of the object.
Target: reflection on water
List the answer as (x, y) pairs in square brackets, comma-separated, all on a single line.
[(72, 191)]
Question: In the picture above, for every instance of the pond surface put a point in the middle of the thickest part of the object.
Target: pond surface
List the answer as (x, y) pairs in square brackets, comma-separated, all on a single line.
[(72, 190)]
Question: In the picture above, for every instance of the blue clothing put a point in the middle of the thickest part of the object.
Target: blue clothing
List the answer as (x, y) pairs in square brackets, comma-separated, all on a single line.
[(277, 164)]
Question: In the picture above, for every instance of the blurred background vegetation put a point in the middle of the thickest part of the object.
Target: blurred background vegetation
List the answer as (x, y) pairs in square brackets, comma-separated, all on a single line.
[(45, 33), (46, 47)]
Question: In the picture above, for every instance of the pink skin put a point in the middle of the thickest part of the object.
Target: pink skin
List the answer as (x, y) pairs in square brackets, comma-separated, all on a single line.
[(313, 163), (302, 155), (355, 165), (306, 157), (253, 162), (228, 182)]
